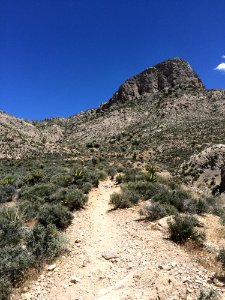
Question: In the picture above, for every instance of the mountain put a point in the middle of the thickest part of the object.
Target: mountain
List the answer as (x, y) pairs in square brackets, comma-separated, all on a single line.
[(173, 74), (164, 114)]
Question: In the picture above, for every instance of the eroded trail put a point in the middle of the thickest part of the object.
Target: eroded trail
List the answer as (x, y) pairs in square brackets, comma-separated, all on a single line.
[(113, 256)]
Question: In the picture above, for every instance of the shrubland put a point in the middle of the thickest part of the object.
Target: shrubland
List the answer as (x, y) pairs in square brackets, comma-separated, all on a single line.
[(38, 198)]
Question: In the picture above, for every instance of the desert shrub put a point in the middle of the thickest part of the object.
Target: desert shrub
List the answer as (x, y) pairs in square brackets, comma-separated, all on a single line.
[(5, 289), (77, 175), (111, 171), (146, 189), (92, 178), (59, 196), (11, 230), (75, 199), (202, 207), (86, 187), (118, 201), (14, 262), (119, 179), (62, 180), (182, 228), (176, 198), (156, 210), (151, 175), (33, 177), (55, 214), (132, 175), (44, 243), (102, 175), (209, 295), (221, 257), (29, 209), (6, 193), (38, 192)]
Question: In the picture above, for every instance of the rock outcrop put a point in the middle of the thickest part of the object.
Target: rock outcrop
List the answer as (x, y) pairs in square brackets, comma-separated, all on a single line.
[(206, 169), (173, 74)]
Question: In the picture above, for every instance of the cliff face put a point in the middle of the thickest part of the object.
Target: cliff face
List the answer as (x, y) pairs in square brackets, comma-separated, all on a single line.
[(173, 74)]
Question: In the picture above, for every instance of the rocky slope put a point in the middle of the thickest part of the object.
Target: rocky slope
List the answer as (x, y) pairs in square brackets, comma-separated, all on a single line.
[(164, 114)]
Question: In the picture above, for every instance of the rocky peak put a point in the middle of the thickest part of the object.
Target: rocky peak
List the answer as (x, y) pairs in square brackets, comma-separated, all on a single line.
[(173, 74)]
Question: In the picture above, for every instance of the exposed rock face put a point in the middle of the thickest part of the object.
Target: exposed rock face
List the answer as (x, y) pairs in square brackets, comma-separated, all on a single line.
[(172, 74), (206, 169)]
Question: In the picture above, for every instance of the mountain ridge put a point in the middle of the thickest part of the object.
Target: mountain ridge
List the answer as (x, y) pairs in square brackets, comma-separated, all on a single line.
[(168, 109)]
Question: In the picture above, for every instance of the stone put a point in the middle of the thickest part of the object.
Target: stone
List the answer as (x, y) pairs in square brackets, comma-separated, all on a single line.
[(51, 267), (109, 255), (74, 279)]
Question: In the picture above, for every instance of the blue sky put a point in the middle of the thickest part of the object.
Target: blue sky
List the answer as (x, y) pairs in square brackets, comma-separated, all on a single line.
[(59, 57)]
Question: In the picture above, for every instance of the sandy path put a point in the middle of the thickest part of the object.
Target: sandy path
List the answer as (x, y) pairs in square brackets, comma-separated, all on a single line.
[(140, 263)]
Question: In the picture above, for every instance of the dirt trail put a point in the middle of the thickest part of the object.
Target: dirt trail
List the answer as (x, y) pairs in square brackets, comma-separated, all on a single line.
[(113, 256)]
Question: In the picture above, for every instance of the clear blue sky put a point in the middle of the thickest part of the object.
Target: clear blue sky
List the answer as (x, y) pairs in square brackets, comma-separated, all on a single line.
[(59, 57)]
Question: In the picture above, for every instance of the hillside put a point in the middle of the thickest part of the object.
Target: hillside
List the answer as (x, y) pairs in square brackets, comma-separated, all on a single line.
[(155, 149), (164, 114)]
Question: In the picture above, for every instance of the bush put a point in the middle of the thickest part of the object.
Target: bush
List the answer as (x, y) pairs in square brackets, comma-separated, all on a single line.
[(151, 174), (33, 177), (87, 186), (11, 231), (201, 207), (221, 257), (62, 180), (55, 214), (119, 179), (146, 190), (44, 243), (75, 199), (38, 192), (29, 209), (14, 262), (155, 211), (118, 201), (6, 193), (5, 289), (176, 198), (182, 228), (210, 295), (131, 195)]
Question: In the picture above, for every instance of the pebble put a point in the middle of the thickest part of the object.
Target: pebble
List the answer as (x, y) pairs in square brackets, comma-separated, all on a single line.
[(51, 267)]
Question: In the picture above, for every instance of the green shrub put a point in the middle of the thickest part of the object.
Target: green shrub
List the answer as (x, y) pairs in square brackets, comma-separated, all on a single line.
[(87, 186), (55, 214), (14, 262), (11, 231), (202, 207), (209, 295), (145, 189), (62, 180), (5, 289), (29, 209), (38, 192), (33, 177), (151, 174), (182, 228), (118, 201), (44, 243), (6, 193), (221, 257), (75, 199), (155, 211), (176, 198), (119, 179)]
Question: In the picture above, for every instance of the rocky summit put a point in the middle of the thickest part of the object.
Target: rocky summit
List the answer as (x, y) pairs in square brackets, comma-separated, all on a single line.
[(170, 75)]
